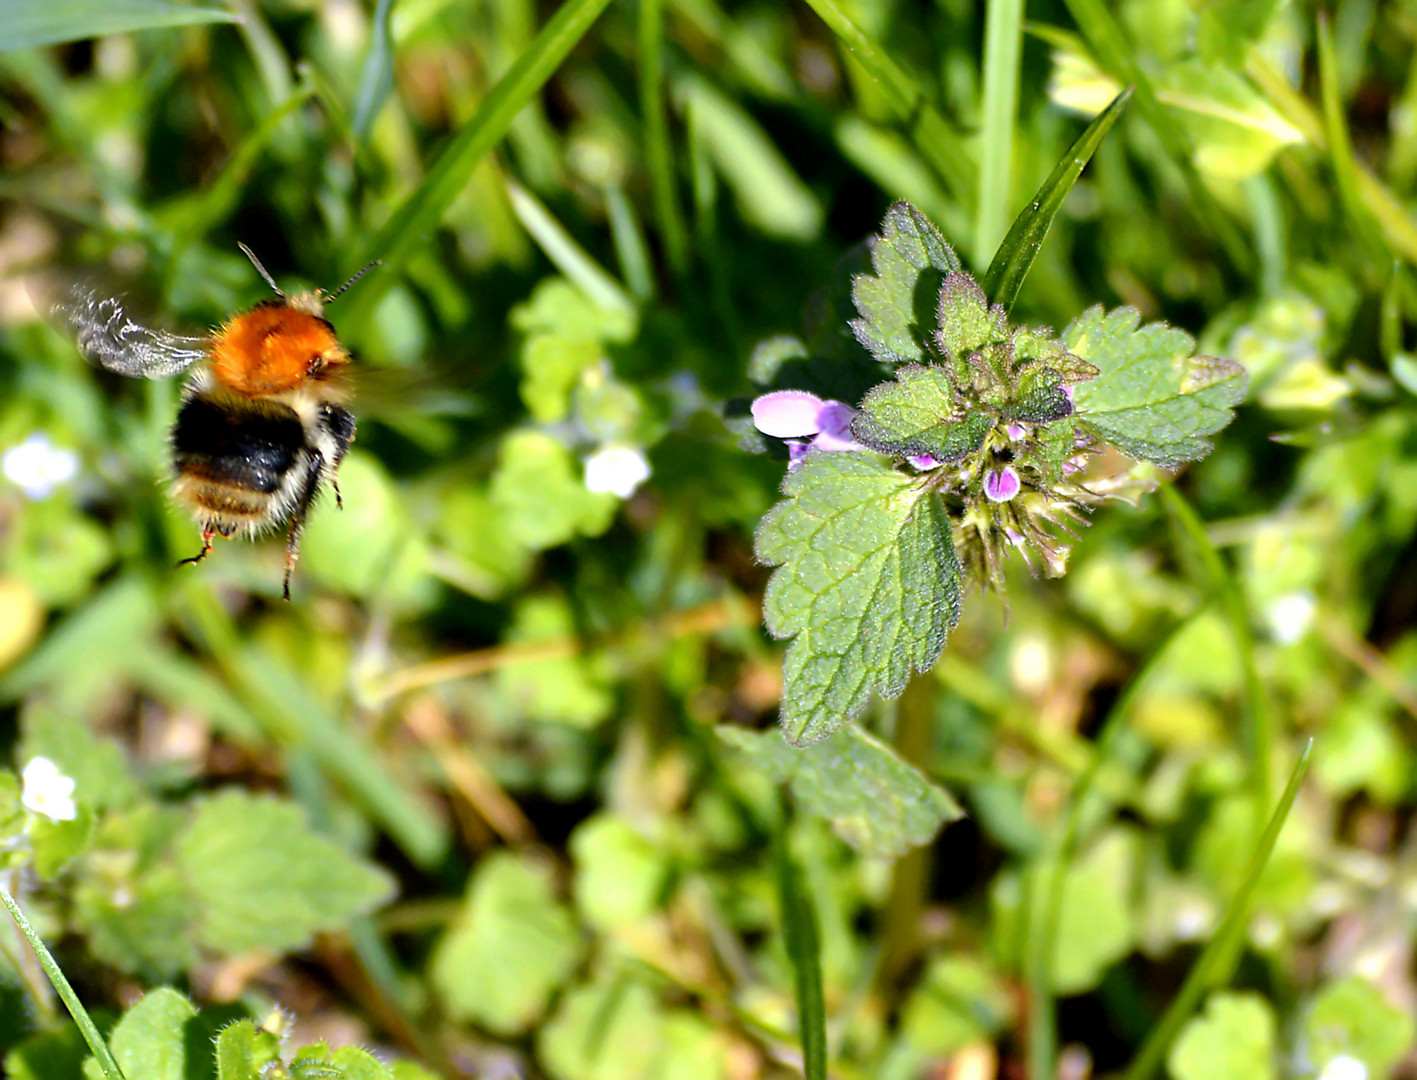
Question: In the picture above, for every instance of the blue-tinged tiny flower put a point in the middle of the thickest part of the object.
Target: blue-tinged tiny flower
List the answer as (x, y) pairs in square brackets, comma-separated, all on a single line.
[(1001, 485), (616, 470), (47, 791), (37, 466)]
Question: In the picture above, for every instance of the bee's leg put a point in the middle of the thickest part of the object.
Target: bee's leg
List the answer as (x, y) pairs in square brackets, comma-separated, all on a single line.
[(337, 425), (207, 533), (308, 490)]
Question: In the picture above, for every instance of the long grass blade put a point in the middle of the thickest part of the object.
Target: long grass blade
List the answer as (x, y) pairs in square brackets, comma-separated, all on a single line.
[(937, 141), (1259, 734), (561, 248), (1015, 256), (1114, 54), (658, 158), (85, 1023), (1003, 38), (1340, 145), (26, 23), (799, 927), (377, 76), (408, 227), (1209, 969)]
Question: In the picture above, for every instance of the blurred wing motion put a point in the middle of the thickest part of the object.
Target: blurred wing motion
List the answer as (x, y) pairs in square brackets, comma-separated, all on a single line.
[(107, 337)]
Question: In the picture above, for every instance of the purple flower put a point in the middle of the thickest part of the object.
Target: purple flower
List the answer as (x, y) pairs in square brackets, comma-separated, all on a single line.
[(795, 415), (923, 462), (834, 427), (787, 414), (1015, 431), (1001, 485)]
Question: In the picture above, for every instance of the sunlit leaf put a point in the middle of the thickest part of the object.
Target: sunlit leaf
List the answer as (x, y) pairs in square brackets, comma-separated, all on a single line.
[(264, 879), (1155, 398), (897, 301), (868, 585)]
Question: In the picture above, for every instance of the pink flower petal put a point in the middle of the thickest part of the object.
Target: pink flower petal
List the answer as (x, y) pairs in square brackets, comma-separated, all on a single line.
[(1001, 485), (787, 414)]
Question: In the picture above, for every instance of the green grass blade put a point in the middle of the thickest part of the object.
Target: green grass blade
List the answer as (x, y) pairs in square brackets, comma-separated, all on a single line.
[(1209, 969), (1340, 145), (937, 141), (1259, 728), (408, 227), (1114, 55), (1015, 256), (1003, 37), (193, 219), (799, 927), (629, 239), (377, 75), (267, 53), (1390, 314), (658, 158), (561, 248), (85, 1023), (25, 23)]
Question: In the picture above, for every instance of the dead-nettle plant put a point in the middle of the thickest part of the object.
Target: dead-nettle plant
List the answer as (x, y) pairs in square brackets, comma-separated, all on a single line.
[(979, 442)]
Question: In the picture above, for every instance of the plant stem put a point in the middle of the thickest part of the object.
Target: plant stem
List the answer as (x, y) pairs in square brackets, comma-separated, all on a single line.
[(87, 1028)]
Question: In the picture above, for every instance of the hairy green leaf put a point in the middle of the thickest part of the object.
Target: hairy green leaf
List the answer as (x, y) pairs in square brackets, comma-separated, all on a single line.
[(154, 1038), (1039, 397), (868, 584), (1154, 398), (897, 302), (967, 322), (873, 798), (919, 414), (243, 1052), (264, 879)]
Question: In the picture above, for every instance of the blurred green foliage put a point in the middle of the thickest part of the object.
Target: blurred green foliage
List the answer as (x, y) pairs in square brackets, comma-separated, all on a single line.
[(484, 798)]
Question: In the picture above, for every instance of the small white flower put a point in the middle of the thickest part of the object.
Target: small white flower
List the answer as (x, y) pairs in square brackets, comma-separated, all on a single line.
[(1344, 1067), (38, 466), (617, 470), (1290, 616), (47, 791)]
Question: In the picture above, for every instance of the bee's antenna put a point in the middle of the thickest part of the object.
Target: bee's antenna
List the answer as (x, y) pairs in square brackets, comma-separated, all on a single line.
[(257, 264), (352, 280)]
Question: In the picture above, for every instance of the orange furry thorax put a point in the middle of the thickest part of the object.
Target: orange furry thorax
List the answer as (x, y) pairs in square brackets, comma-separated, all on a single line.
[(274, 348)]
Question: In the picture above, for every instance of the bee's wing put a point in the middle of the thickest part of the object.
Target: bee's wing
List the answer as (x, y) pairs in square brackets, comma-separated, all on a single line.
[(107, 337)]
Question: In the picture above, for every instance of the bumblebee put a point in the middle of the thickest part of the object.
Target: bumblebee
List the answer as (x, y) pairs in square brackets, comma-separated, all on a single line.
[(263, 424)]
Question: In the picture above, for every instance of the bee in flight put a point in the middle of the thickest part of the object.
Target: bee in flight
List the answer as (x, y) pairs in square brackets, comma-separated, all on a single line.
[(263, 424)]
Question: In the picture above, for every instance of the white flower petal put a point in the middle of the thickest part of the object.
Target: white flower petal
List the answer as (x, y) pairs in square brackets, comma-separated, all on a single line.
[(616, 470), (37, 466), (47, 791)]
